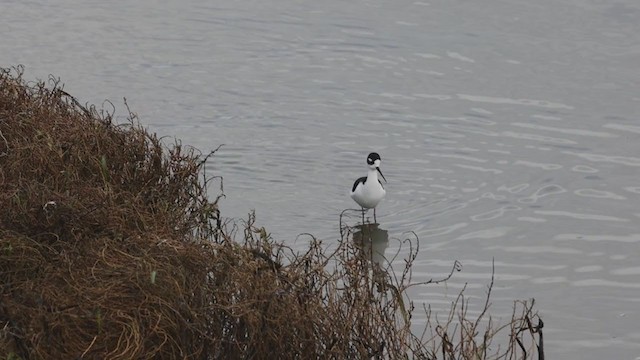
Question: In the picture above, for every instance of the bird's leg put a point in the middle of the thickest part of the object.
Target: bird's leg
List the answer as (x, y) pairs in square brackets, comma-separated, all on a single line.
[(362, 216), (374, 216)]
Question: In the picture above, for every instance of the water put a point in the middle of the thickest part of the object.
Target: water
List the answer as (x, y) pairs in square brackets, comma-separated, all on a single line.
[(508, 130)]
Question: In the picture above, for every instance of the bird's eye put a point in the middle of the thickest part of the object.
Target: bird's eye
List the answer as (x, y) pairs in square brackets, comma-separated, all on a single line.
[(369, 160)]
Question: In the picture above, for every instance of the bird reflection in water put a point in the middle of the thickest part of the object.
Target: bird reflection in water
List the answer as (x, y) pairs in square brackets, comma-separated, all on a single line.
[(372, 241)]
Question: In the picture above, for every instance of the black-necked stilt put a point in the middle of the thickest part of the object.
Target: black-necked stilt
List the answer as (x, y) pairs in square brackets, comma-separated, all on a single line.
[(368, 191)]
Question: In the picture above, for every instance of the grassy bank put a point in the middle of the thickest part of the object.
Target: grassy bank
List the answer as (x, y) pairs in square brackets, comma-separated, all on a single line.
[(110, 247)]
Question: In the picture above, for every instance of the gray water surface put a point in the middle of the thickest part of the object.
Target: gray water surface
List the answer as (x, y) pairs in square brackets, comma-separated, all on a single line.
[(508, 130)]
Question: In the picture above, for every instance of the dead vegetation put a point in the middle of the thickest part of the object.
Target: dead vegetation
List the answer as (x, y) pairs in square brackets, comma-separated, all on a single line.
[(111, 248)]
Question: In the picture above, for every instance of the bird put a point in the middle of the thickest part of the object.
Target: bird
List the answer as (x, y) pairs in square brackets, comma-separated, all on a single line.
[(368, 191)]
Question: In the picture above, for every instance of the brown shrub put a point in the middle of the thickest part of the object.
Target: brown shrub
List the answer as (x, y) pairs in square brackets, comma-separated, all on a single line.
[(97, 252), (111, 248)]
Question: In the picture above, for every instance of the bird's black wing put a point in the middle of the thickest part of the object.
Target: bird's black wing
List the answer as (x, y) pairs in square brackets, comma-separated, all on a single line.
[(355, 184)]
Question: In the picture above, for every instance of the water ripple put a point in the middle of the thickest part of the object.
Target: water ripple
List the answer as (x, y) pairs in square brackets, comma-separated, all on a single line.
[(588, 268), (598, 194), (537, 165), (479, 168), (486, 234), (537, 137), (494, 214), (537, 249), (442, 230), (625, 128), (622, 160), (605, 283), (509, 101), (580, 216), (584, 169), (631, 238), (626, 271), (580, 132), (514, 189), (544, 191)]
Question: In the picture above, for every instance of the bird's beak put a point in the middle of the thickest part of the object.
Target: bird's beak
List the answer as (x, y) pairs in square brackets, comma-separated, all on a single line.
[(380, 171)]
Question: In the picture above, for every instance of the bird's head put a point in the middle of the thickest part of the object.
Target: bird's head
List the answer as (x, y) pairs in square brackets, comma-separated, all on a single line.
[(373, 160)]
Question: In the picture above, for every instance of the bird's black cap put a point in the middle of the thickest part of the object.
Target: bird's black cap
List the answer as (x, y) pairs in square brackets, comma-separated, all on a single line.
[(372, 158)]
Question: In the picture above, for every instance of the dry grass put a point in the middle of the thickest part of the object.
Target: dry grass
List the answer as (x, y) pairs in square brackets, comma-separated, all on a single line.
[(111, 248)]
